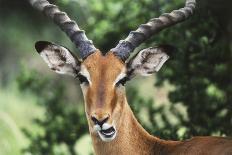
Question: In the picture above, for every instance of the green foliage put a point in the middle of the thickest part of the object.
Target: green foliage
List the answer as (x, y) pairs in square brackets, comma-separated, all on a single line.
[(158, 122), (63, 123), (199, 70)]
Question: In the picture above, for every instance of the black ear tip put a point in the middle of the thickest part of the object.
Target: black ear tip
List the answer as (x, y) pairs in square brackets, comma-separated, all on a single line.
[(169, 49), (41, 45)]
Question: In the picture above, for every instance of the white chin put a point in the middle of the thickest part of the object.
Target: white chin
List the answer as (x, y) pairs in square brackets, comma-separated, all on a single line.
[(107, 138)]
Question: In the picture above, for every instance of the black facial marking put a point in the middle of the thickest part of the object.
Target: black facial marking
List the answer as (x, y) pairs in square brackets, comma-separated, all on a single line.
[(82, 79), (122, 81)]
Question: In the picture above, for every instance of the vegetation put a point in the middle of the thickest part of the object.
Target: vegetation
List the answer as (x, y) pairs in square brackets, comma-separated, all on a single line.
[(199, 74)]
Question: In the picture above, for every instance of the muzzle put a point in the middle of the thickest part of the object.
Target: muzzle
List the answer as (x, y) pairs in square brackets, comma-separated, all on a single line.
[(106, 131)]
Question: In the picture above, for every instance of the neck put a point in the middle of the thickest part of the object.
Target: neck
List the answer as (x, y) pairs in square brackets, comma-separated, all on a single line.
[(131, 137)]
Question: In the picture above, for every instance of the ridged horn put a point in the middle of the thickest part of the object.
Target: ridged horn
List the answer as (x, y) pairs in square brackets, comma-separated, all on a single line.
[(145, 31), (67, 25)]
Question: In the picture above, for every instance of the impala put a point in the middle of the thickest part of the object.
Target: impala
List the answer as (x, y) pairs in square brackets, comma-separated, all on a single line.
[(112, 125)]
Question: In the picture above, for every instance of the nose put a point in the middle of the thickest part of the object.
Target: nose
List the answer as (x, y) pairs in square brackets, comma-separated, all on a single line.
[(98, 121)]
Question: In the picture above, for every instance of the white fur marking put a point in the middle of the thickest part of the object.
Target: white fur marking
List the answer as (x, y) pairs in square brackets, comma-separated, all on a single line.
[(45, 58), (85, 73), (106, 126), (160, 64), (97, 127), (120, 76), (103, 138), (54, 61), (148, 61)]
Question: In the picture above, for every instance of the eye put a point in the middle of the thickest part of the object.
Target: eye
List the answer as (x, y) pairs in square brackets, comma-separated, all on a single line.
[(82, 79), (122, 81)]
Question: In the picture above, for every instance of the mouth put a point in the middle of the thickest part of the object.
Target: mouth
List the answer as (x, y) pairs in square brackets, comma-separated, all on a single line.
[(107, 133)]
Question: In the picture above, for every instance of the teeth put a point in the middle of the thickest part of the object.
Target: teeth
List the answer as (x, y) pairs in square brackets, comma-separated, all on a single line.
[(108, 132), (107, 138)]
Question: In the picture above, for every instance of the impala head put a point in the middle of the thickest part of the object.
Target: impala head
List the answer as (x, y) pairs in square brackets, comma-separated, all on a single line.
[(102, 77)]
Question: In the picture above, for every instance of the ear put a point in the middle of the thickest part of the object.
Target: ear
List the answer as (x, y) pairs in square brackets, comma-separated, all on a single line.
[(58, 58), (148, 61)]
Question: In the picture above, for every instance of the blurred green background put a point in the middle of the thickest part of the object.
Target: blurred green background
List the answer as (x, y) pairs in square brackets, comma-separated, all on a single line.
[(42, 113)]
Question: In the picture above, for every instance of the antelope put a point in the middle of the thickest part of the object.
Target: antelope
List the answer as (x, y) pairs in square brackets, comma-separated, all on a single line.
[(112, 124)]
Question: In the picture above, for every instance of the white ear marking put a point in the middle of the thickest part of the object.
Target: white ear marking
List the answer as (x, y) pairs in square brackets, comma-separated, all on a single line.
[(162, 60), (85, 73), (148, 61), (58, 58)]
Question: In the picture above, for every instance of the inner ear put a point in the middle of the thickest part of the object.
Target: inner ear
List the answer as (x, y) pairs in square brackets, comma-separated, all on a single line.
[(58, 58), (148, 60)]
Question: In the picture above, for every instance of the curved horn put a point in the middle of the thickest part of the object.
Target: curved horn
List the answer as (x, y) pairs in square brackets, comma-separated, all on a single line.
[(69, 26), (145, 31)]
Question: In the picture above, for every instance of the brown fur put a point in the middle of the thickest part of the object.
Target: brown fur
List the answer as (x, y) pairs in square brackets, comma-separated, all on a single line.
[(103, 99)]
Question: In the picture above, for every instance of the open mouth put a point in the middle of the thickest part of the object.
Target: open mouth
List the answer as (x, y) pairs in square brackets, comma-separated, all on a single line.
[(108, 133)]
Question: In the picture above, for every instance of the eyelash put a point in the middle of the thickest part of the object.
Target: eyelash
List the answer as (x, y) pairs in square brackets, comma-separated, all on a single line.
[(82, 79), (122, 81)]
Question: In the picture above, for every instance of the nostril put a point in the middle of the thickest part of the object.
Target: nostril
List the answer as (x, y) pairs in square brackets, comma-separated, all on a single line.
[(99, 122), (95, 121)]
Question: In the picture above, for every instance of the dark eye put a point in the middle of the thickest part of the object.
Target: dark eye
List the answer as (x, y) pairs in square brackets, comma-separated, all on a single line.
[(122, 81), (82, 79)]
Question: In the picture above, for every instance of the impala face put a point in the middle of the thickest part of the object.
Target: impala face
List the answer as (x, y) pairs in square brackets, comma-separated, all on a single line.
[(102, 79)]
